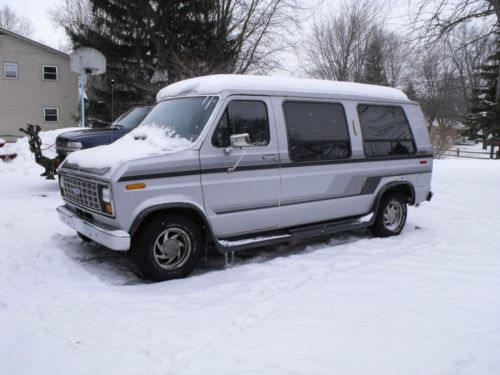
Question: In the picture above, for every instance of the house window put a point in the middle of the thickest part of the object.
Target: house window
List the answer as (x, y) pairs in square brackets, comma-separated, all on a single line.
[(386, 131), (10, 70), (317, 131), (50, 114), (49, 72)]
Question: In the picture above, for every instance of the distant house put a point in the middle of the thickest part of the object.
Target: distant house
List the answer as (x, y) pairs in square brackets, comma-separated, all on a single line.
[(36, 86)]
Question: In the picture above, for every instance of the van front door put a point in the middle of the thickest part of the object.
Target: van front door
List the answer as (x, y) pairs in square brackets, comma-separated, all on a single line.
[(241, 185)]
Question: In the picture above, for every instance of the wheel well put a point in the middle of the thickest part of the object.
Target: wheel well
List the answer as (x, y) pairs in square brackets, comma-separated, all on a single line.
[(190, 212), (403, 188)]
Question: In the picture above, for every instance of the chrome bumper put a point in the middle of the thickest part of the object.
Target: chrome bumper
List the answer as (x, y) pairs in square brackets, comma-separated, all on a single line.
[(111, 238)]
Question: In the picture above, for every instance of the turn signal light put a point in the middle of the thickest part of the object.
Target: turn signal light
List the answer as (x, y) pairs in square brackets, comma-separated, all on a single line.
[(135, 186), (108, 208)]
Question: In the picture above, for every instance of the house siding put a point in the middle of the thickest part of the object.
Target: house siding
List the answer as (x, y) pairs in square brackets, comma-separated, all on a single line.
[(22, 100)]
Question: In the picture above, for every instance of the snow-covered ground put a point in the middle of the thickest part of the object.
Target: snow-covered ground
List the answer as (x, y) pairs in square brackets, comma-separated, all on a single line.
[(426, 302)]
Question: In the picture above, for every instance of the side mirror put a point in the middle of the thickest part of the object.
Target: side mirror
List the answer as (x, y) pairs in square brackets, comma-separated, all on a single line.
[(240, 140)]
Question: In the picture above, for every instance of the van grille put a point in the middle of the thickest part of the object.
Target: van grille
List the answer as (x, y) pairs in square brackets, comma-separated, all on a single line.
[(83, 193)]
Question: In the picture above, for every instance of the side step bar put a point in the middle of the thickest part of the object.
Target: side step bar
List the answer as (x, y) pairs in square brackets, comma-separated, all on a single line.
[(233, 244)]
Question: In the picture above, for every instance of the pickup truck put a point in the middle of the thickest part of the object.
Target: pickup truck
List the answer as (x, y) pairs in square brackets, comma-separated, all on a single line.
[(91, 137)]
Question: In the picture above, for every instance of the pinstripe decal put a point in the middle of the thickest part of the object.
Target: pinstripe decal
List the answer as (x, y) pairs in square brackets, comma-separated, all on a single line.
[(265, 166)]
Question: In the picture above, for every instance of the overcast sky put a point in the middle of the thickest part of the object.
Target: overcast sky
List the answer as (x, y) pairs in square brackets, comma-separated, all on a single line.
[(37, 13), (45, 32)]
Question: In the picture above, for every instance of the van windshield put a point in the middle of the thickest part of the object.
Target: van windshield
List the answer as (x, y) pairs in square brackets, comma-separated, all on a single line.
[(182, 117)]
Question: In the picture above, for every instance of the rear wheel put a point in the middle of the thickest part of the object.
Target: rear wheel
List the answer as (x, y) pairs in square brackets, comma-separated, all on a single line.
[(391, 215), (168, 247)]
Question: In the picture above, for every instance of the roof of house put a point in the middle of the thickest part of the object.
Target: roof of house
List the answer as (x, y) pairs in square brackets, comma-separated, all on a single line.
[(31, 41), (283, 86)]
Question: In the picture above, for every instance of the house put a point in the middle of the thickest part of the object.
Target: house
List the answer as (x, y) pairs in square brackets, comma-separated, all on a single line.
[(36, 86)]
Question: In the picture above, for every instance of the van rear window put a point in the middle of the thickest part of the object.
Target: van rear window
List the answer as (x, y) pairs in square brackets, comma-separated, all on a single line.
[(316, 131), (386, 131)]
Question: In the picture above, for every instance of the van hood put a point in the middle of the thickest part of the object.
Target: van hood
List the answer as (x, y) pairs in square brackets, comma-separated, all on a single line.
[(144, 141)]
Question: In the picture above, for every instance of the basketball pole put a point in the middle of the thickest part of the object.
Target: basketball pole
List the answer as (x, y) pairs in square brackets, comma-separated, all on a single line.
[(86, 61), (82, 80)]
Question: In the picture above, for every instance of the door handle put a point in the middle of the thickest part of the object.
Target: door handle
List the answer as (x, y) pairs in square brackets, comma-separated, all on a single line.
[(270, 157)]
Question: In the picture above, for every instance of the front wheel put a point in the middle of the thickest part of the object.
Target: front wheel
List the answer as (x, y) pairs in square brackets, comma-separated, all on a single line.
[(391, 215), (168, 247), (84, 237)]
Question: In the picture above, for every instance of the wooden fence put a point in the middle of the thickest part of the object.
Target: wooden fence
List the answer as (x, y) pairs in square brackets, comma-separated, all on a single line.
[(458, 153)]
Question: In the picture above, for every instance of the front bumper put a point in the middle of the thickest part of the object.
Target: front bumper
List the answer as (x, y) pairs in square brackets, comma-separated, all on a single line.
[(114, 239)]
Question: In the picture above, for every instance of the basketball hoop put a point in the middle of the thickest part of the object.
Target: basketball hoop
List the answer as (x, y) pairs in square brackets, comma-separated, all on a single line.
[(86, 61)]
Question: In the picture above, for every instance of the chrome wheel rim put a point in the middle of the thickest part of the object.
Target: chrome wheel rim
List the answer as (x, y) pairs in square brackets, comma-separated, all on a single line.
[(393, 215), (172, 248)]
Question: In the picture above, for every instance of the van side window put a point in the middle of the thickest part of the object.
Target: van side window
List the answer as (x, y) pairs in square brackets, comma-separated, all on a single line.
[(386, 131), (316, 131), (243, 116)]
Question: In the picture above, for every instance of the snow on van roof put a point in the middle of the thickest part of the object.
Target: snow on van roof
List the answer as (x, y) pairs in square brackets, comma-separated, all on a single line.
[(250, 84)]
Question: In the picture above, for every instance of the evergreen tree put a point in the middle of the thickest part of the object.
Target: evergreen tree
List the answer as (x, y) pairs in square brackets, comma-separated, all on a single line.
[(485, 112), (148, 46), (410, 91), (374, 72)]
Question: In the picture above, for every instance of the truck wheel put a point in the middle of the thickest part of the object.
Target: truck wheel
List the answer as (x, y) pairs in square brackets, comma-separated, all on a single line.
[(391, 215), (83, 237), (168, 247)]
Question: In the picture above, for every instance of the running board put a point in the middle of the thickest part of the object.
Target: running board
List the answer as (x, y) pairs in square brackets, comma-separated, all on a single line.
[(315, 230)]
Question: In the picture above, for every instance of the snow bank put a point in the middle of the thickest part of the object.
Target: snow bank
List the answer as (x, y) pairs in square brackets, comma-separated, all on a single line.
[(145, 140), (25, 158), (215, 84)]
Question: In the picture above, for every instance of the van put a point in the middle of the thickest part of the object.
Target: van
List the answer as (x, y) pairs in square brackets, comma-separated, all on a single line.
[(239, 162)]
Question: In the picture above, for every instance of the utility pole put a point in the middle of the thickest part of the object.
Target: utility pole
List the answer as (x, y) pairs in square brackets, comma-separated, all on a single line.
[(112, 100)]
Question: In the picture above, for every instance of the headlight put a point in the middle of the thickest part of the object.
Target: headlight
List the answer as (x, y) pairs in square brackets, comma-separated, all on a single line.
[(77, 145), (107, 200), (106, 195)]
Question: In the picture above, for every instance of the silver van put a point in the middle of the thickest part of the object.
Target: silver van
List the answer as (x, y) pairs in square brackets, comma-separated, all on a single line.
[(264, 160)]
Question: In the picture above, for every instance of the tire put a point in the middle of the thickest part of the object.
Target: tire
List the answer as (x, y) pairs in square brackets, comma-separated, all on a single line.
[(83, 237), (159, 260), (391, 215)]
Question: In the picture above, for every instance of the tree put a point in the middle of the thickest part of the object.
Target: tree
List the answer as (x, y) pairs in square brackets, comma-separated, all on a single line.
[(338, 42), (17, 24), (410, 91), (485, 114), (151, 44), (437, 89), (467, 51), (441, 16), (446, 15), (374, 71), (397, 50)]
